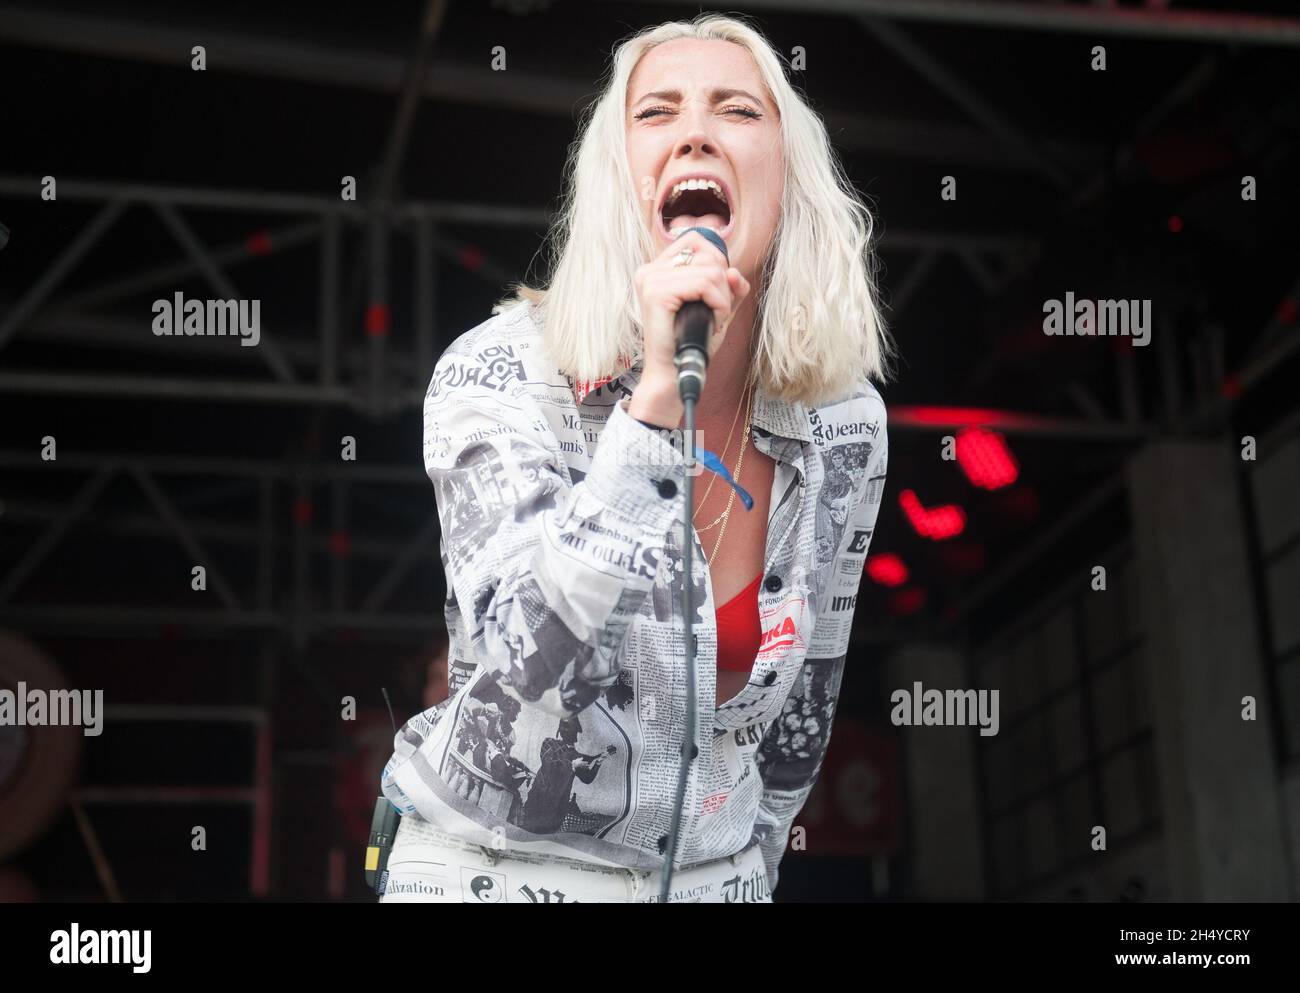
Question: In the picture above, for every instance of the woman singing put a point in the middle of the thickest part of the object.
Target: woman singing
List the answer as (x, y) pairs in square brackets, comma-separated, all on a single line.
[(549, 773)]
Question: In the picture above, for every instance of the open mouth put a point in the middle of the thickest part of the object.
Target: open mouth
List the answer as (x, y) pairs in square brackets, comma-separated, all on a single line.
[(696, 203)]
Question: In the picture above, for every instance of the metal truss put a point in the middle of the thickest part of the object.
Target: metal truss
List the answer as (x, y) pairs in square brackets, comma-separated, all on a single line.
[(1153, 20), (316, 605), (456, 82), (302, 372), (377, 376)]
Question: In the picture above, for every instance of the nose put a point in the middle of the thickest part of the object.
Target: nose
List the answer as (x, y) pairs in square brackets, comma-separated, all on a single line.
[(695, 136), (696, 140)]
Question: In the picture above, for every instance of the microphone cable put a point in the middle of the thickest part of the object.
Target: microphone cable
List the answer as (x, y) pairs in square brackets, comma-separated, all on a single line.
[(692, 358)]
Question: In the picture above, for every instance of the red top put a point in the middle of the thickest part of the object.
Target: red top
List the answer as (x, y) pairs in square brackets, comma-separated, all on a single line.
[(739, 632)]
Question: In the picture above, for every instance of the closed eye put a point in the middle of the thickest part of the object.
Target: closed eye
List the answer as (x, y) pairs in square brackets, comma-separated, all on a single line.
[(649, 112)]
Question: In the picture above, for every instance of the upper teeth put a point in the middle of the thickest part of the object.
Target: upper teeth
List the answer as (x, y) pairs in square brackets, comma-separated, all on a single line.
[(696, 184)]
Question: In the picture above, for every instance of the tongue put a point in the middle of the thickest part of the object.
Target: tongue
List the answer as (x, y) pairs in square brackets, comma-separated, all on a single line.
[(713, 221)]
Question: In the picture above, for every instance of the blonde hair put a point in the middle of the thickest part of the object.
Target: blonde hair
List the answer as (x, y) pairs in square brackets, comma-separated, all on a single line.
[(819, 329)]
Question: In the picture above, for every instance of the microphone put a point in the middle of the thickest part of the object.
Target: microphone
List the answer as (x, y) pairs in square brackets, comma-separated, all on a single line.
[(693, 327)]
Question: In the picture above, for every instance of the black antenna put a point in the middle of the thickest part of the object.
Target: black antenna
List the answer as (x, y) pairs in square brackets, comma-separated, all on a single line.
[(388, 703)]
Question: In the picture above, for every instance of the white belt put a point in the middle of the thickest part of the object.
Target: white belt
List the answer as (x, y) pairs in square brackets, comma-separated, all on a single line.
[(427, 865)]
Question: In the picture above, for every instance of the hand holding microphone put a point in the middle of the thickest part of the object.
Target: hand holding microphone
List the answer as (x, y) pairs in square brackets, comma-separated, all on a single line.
[(691, 270), (693, 327)]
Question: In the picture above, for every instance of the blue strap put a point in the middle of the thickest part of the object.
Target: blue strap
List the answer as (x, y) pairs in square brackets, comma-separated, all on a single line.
[(714, 464)]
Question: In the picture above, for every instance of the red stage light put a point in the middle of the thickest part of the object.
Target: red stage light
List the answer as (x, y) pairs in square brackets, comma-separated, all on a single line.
[(1175, 223), (258, 243), (340, 544), (955, 415), (907, 601), (887, 569), (377, 317), (935, 523), (985, 458)]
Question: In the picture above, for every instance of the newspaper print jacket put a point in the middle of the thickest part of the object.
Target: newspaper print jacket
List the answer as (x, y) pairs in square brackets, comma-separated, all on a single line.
[(561, 521)]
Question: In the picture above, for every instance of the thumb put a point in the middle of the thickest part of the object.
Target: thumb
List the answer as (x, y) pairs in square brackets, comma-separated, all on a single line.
[(739, 284)]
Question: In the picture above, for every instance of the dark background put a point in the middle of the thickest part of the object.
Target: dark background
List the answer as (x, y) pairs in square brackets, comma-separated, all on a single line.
[(1123, 183)]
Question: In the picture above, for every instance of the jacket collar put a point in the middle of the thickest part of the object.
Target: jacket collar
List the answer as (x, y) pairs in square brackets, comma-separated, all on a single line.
[(628, 376)]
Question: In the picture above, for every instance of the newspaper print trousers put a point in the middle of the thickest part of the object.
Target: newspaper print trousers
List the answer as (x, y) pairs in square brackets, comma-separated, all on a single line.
[(428, 865)]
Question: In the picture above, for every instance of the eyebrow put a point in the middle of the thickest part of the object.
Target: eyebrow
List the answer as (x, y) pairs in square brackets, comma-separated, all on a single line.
[(718, 96)]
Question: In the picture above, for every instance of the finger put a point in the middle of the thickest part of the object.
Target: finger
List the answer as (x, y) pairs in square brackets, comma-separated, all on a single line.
[(711, 289), (697, 265), (739, 284), (683, 284), (696, 241), (717, 298), (677, 289)]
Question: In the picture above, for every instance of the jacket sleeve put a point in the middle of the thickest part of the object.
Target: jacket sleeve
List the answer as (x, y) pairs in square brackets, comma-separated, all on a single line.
[(547, 576), (793, 747)]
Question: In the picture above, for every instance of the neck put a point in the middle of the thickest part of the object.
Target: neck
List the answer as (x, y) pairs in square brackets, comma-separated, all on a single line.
[(728, 369)]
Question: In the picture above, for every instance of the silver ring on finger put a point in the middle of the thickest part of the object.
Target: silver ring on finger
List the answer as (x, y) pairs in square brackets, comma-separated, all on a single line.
[(685, 257)]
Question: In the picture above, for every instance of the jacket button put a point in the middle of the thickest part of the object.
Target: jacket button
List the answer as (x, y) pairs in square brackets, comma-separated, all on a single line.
[(770, 678), (773, 583), (667, 489)]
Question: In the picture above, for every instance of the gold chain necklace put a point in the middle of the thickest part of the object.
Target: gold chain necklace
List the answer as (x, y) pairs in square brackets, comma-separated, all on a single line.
[(714, 476), (726, 514), (735, 475)]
